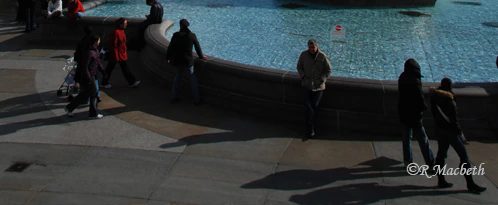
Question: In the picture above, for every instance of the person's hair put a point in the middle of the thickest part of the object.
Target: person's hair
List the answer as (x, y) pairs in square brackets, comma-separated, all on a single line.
[(446, 84), (120, 22), (312, 41), (92, 40), (149, 2), (87, 30)]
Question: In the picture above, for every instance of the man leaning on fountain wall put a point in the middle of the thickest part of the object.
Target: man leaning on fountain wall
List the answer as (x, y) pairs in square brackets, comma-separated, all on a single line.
[(314, 68)]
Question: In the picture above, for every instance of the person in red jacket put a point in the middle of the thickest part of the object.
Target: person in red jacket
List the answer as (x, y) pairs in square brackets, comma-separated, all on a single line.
[(75, 9), (117, 49)]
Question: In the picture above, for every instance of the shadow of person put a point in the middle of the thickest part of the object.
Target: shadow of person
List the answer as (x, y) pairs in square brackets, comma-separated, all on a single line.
[(366, 193), (299, 179)]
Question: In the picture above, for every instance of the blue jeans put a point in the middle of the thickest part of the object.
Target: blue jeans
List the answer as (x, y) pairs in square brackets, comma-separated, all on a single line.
[(446, 138), (423, 142), (98, 91), (311, 104), (193, 83)]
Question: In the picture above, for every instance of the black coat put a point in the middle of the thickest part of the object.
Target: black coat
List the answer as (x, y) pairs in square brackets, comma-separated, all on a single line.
[(411, 102), (444, 111), (179, 51), (156, 13)]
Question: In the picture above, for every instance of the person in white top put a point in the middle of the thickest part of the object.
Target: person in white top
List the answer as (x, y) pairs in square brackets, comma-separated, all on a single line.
[(54, 9)]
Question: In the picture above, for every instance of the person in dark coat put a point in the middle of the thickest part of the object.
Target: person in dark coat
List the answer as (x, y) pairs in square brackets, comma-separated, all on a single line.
[(411, 105), (119, 54), (21, 11), (179, 54), (90, 64), (155, 16), (448, 131), (29, 14)]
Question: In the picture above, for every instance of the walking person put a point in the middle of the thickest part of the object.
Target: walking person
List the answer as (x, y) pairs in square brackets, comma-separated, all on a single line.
[(118, 54), (314, 68), (411, 105), (179, 54), (90, 63), (448, 131)]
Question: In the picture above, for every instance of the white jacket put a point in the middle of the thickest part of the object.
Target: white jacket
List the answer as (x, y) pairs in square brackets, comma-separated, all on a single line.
[(52, 7)]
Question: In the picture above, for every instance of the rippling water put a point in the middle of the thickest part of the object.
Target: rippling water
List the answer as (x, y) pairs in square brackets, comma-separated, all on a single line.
[(451, 42)]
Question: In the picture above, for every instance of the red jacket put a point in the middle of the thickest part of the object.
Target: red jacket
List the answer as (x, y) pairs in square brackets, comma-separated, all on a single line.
[(117, 45), (73, 8)]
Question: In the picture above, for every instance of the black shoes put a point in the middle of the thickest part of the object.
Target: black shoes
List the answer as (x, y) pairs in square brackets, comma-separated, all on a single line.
[(444, 184), (474, 188)]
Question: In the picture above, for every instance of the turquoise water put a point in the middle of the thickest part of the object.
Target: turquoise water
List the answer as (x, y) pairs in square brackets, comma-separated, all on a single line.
[(452, 42)]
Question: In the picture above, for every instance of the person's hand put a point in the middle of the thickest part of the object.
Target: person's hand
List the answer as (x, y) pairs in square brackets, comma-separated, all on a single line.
[(432, 89), (168, 61), (204, 57)]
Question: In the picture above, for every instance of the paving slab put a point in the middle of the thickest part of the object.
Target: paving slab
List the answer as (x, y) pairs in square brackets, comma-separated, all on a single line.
[(115, 172), (209, 180), (322, 154), (37, 52), (16, 197), (46, 164), (241, 139), (82, 199), (17, 81)]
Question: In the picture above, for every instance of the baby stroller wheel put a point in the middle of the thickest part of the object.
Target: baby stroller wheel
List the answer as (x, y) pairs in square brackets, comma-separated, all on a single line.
[(59, 92), (70, 98)]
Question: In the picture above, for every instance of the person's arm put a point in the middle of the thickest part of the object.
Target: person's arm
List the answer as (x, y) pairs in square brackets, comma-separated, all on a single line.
[(300, 67), (422, 106), (170, 50), (80, 7), (49, 8), (454, 116), (114, 41), (152, 13), (327, 71), (58, 6), (88, 64), (197, 47)]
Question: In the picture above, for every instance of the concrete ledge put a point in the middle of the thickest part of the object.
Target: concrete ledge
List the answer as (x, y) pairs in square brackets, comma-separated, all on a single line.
[(348, 104)]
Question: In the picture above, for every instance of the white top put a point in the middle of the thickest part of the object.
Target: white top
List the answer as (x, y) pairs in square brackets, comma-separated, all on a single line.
[(52, 7)]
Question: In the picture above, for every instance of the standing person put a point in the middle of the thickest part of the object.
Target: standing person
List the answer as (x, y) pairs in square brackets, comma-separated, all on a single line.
[(90, 63), (118, 54), (314, 68), (75, 9), (444, 110), (29, 14), (54, 9), (155, 16), (179, 54), (21, 10), (411, 105)]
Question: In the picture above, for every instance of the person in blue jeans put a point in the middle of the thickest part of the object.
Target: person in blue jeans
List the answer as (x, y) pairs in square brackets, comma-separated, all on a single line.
[(179, 54), (448, 131), (411, 105)]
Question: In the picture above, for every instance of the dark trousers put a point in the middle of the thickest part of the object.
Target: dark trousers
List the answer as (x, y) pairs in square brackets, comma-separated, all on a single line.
[(447, 137), (312, 100), (124, 68), (30, 18), (87, 91), (140, 35)]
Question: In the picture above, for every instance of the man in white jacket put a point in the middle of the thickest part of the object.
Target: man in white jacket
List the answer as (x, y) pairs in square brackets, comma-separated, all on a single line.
[(54, 9)]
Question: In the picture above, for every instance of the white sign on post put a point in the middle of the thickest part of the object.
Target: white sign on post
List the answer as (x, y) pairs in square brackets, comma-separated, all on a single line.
[(338, 34)]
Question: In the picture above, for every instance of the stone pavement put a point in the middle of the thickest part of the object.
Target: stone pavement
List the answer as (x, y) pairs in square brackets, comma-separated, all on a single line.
[(146, 151)]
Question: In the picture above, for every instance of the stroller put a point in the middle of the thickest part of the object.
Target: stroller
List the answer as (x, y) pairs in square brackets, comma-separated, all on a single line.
[(69, 84)]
